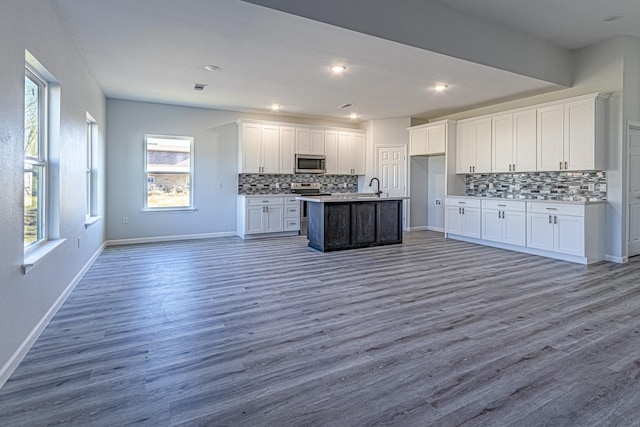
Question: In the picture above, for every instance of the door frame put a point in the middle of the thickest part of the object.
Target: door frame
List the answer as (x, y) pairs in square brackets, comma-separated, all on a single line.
[(376, 172), (627, 184)]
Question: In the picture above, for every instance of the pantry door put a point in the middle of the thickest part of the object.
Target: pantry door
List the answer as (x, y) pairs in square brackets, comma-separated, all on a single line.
[(633, 197), (392, 172)]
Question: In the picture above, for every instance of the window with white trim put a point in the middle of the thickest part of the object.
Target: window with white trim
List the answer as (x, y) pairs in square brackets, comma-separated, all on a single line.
[(35, 159), (168, 172), (91, 184)]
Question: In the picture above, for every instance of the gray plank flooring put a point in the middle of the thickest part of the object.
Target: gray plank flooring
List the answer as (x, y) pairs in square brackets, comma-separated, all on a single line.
[(226, 332)]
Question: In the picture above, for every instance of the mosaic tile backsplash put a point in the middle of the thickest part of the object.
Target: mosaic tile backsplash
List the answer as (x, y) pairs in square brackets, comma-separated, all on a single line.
[(266, 183), (539, 185)]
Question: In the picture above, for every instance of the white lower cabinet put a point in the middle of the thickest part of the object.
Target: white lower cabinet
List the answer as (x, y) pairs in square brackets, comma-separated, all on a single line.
[(558, 228), (569, 231), (291, 214), (504, 221), (463, 217), (260, 216)]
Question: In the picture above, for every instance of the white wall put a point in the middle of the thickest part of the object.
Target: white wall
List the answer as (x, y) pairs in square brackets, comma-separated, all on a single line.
[(25, 300), (419, 192), (216, 161)]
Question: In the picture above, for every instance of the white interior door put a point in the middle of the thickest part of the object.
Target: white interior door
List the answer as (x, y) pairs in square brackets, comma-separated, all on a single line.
[(392, 172), (633, 198)]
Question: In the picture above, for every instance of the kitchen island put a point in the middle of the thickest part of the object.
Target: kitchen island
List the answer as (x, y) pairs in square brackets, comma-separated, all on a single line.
[(352, 221)]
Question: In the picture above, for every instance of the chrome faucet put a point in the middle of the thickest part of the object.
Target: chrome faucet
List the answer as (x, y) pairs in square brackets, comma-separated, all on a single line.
[(378, 192)]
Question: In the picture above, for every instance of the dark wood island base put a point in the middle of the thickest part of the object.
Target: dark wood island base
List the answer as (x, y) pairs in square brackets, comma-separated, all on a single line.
[(354, 224)]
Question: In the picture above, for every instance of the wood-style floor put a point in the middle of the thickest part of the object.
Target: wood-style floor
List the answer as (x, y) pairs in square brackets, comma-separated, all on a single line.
[(434, 332)]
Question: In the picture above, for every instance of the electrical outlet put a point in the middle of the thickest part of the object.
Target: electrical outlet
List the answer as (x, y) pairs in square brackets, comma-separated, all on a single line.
[(125, 220), (438, 202), (603, 187), (592, 187), (344, 184), (491, 185), (277, 185), (471, 186)]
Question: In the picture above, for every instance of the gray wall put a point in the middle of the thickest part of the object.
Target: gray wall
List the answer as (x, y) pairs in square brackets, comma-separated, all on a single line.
[(25, 299), (215, 168), (427, 180)]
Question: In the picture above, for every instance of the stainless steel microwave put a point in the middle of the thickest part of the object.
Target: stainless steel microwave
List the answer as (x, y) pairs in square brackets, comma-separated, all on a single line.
[(309, 163)]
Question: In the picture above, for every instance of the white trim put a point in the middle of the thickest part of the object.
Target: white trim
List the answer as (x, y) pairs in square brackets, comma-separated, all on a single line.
[(431, 228), (618, 259), (90, 220), (36, 255), (21, 352), (267, 235), (169, 238), (419, 228)]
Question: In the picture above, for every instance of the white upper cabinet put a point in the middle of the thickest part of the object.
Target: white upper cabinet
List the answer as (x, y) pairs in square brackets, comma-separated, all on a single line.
[(310, 141), (259, 148), (287, 147), (473, 146), (351, 153), (331, 152), (514, 142), (270, 149), (428, 140), (571, 135), (551, 138)]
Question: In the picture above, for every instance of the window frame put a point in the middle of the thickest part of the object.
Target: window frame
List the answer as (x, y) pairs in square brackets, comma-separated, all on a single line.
[(147, 171), (91, 175), (40, 161)]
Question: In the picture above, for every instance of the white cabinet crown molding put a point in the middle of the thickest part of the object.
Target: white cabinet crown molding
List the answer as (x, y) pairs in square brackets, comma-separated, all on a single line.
[(300, 125)]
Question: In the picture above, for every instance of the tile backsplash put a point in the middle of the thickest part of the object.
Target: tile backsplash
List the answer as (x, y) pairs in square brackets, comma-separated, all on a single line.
[(539, 185), (266, 183)]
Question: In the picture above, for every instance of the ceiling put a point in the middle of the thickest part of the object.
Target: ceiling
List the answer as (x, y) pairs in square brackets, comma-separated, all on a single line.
[(155, 50)]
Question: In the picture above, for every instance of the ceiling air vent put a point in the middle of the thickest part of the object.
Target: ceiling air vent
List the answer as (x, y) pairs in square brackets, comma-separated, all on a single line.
[(199, 86), (345, 105)]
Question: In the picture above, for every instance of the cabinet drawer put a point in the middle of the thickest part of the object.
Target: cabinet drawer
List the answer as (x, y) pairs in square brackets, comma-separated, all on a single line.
[(264, 201), (503, 205), (291, 201), (291, 224), (469, 203), (291, 211), (557, 209)]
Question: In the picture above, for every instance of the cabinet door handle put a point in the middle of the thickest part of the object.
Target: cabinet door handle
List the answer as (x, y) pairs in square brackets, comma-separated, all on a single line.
[(503, 206), (566, 165), (555, 219), (462, 211), (551, 209), (514, 167), (509, 167), (499, 214), (560, 165), (550, 219), (459, 211)]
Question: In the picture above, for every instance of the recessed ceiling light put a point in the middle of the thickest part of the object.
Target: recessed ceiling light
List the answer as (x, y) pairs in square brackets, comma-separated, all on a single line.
[(275, 107), (212, 68), (338, 68), (199, 86), (353, 116), (440, 87)]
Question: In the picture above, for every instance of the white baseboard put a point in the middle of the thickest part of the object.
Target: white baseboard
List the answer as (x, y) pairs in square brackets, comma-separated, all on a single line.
[(440, 229), (618, 259), (419, 228), (169, 238), (21, 352)]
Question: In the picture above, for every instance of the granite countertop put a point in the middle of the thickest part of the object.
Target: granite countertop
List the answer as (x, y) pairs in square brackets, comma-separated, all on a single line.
[(506, 199), (349, 197)]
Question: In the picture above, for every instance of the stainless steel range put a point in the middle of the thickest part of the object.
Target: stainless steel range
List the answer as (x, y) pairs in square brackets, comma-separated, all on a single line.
[(306, 189)]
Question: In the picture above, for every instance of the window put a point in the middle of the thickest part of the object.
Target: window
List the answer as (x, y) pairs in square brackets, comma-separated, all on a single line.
[(35, 159), (91, 185), (168, 176)]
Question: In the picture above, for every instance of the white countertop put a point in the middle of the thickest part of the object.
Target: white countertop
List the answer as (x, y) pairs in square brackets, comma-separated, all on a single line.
[(349, 197), (564, 202)]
